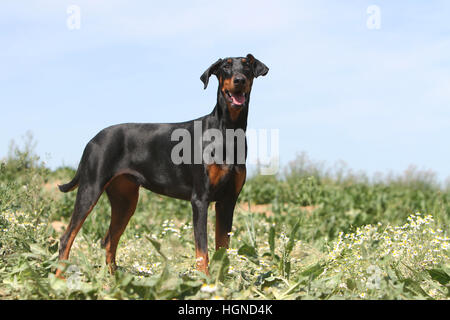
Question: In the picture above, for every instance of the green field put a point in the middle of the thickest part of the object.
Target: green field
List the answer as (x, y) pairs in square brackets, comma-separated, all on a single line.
[(312, 232)]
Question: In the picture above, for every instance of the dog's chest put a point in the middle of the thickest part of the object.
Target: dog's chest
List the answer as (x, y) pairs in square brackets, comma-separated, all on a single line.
[(230, 176)]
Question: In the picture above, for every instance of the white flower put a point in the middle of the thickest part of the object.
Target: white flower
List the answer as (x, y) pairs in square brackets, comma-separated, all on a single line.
[(208, 288)]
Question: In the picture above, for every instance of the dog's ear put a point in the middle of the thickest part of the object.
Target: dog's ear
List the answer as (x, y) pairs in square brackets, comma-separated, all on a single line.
[(211, 70), (259, 68)]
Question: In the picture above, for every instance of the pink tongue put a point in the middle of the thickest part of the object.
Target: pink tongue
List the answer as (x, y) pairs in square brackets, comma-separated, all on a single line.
[(238, 100)]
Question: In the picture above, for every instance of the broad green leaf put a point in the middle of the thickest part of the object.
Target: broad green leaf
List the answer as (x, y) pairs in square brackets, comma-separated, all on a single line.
[(249, 252), (439, 275), (219, 265)]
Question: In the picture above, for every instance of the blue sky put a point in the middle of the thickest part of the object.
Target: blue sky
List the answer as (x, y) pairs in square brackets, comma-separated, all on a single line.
[(377, 99)]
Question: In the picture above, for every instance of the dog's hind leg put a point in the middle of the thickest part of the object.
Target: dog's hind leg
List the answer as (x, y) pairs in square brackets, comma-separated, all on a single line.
[(86, 199), (123, 194)]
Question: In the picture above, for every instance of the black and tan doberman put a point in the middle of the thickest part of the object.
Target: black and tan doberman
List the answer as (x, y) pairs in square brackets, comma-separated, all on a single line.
[(122, 158)]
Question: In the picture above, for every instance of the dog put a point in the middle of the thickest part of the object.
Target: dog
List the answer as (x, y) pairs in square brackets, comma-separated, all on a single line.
[(122, 158)]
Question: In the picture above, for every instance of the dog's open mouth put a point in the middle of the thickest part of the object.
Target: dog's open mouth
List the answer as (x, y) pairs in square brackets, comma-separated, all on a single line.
[(237, 99)]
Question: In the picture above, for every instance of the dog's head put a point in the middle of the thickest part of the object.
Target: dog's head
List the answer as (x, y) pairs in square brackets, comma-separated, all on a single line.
[(235, 77)]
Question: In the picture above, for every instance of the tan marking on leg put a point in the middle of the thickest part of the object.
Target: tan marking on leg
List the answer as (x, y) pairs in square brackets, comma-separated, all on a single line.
[(123, 194), (216, 172), (70, 240), (202, 260)]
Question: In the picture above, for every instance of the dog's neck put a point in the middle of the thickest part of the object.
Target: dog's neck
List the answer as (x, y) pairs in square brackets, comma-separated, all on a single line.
[(222, 113)]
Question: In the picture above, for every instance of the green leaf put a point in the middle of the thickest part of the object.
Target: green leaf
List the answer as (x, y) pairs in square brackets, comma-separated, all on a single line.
[(249, 252), (157, 246), (351, 284), (439, 275), (122, 279), (165, 272), (313, 271), (219, 265), (293, 236), (290, 290), (272, 240), (36, 249), (271, 281), (414, 287), (364, 252)]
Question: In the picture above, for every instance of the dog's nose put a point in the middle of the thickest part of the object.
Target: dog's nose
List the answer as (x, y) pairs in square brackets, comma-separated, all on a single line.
[(239, 80)]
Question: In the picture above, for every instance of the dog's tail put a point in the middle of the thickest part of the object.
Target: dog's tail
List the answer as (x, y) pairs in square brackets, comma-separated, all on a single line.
[(72, 185)]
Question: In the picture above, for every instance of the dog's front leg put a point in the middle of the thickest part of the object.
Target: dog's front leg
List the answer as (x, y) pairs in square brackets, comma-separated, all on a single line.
[(200, 216)]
